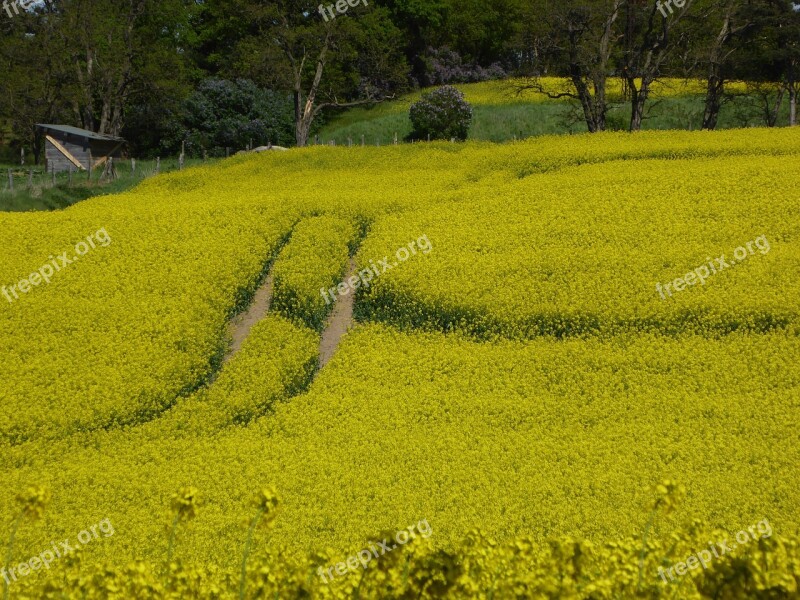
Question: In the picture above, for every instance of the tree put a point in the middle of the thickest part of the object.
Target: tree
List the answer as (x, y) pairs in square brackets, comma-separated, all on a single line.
[(350, 60), (84, 62), (770, 56), (647, 45), (34, 77), (582, 40), (442, 114), (723, 22), (117, 49), (222, 114), (421, 24)]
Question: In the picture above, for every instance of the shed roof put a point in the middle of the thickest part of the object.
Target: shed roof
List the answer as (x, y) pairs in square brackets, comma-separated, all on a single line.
[(80, 132)]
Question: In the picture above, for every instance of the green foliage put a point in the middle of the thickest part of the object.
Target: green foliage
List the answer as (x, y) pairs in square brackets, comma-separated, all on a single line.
[(224, 114), (441, 115)]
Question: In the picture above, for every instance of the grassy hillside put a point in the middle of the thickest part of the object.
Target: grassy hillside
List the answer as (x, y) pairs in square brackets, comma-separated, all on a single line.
[(502, 114)]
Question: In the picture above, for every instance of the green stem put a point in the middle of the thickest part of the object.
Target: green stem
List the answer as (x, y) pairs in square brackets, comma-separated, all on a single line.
[(246, 555), (172, 539), (10, 552), (360, 581), (644, 546)]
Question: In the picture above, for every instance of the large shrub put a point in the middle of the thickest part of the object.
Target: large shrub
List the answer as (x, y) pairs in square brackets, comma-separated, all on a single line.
[(230, 114), (441, 114)]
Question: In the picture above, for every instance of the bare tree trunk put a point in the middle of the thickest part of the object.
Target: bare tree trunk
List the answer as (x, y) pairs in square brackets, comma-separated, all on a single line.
[(714, 92), (594, 105), (638, 101), (716, 82), (593, 113), (600, 106), (85, 85), (302, 131), (643, 59), (773, 114), (304, 112), (104, 116), (298, 115)]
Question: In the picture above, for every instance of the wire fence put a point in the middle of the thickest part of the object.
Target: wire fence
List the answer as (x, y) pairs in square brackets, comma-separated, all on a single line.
[(15, 179)]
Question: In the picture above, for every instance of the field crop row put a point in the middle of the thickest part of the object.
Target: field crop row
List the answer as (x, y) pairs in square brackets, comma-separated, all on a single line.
[(315, 259), (551, 256), (188, 248), (526, 438)]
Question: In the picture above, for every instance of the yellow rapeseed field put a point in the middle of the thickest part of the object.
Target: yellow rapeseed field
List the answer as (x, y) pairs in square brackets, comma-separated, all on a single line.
[(513, 91), (564, 428)]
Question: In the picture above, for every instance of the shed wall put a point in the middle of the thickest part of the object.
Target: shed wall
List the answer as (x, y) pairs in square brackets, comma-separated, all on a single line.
[(79, 148)]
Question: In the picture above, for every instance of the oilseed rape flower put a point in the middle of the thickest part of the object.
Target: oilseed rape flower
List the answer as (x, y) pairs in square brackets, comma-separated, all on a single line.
[(316, 257), (520, 379)]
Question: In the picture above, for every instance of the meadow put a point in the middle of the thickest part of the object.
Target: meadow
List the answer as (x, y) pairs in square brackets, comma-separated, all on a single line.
[(563, 429), (504, 112)]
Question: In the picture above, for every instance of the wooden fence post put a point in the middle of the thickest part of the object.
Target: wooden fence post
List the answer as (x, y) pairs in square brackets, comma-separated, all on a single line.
[(133, 166), (349, 142), (10, 180), (395, 138), (158, 164), (22, 156), (30, 178), (91, 166)]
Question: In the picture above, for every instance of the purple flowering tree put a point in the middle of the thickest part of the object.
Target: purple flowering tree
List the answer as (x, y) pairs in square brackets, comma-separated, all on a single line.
[(442, 114)]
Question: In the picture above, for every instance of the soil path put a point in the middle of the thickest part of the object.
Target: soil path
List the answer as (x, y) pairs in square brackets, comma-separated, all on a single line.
[(240, 326), (339, 322)]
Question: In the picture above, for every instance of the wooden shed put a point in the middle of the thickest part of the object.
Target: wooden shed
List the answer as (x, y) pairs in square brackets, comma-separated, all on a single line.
[(69, 147)]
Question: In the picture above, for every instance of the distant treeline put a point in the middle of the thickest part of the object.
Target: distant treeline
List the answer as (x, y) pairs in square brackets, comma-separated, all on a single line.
[(217, 74)]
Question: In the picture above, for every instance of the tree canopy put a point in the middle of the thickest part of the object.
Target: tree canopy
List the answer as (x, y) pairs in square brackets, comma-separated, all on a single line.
[(145, 68)]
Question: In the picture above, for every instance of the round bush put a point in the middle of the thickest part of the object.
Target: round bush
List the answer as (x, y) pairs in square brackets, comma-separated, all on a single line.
[(443, 114)]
